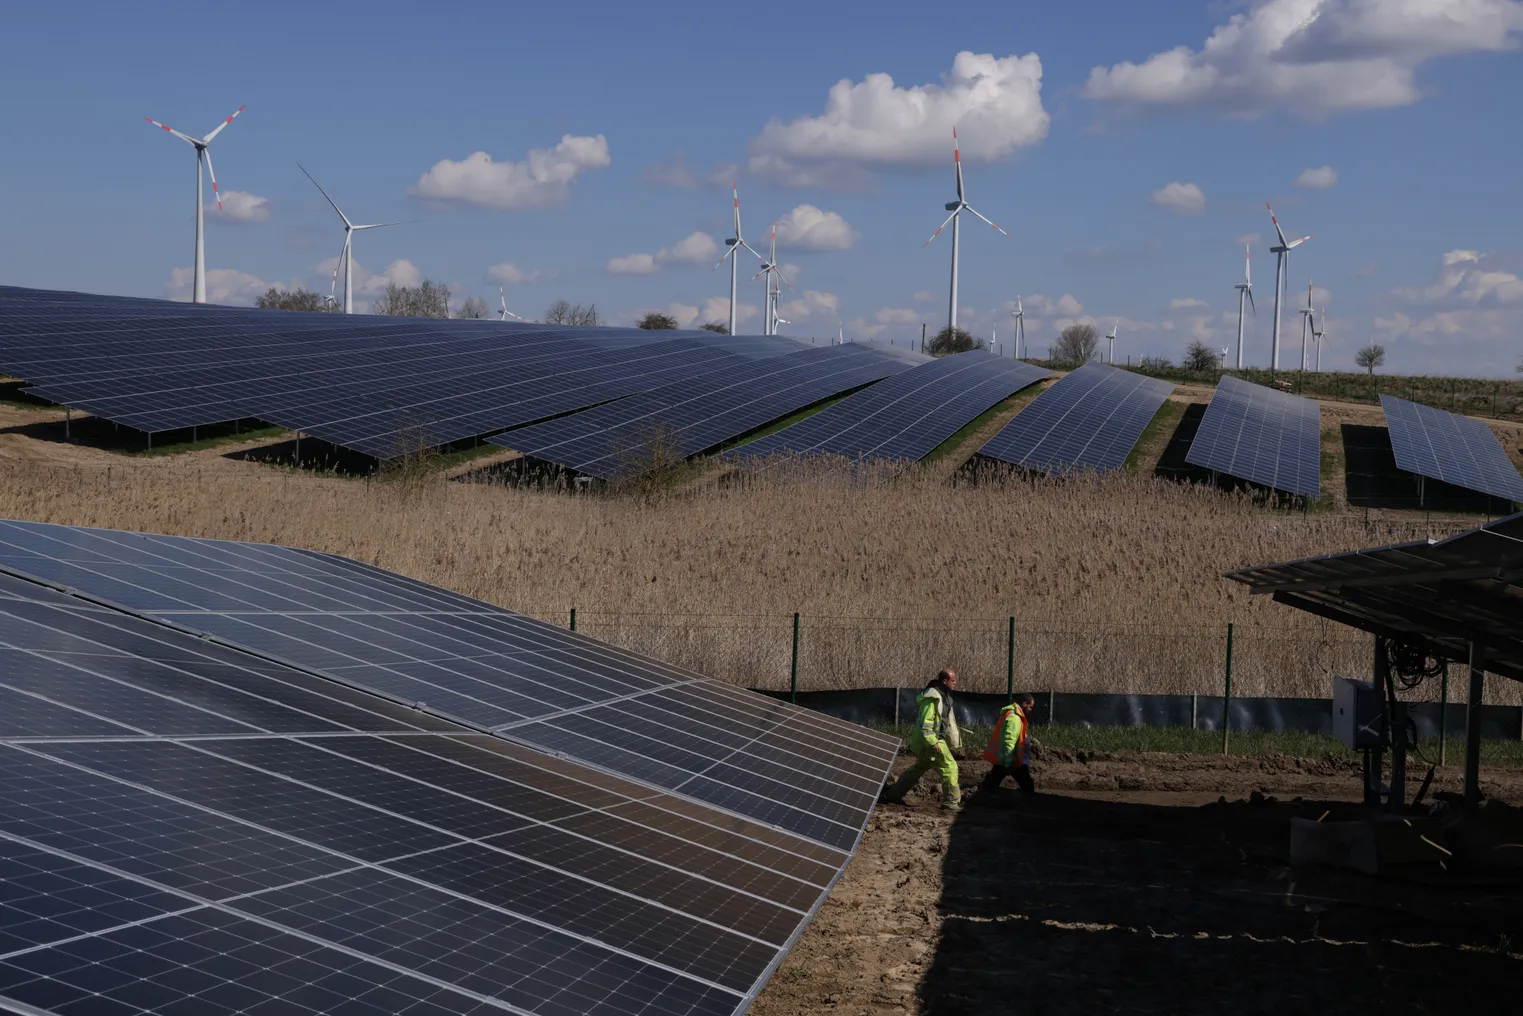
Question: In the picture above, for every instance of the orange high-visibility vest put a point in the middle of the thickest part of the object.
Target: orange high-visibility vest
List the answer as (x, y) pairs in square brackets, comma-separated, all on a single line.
[(1004, 749)]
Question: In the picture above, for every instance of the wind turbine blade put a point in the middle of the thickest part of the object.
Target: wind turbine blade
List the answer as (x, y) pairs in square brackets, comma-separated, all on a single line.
[(747, 246), (215, 192), (772, 255), (781, 278), (1247, 264), (764, 271), (222, 126), (939, 229), (723, 259), (735, 188), (1278, 231), (182, 137), (324, 193), (339, 263), (1249, 291), (995, 225), (378, 225), (1297, 243), (957, 161)]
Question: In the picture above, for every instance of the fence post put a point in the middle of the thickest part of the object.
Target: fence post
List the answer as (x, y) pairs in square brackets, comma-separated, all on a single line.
[(793, 681), (1443, 713), (573, 619), (1227, 693), (1010, 664)]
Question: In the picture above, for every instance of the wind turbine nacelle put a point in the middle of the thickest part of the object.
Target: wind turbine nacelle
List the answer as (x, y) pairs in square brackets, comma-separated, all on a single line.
[(952, 206), (731, 242)]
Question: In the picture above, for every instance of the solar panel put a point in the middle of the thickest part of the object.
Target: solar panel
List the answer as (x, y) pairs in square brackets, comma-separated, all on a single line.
[(186, 826), (1255, 433), (1089, 419), (1451, 448), (623, 438), (905, 417)]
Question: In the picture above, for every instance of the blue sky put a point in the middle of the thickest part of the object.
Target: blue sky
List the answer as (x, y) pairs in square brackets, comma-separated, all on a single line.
[(611, 131)]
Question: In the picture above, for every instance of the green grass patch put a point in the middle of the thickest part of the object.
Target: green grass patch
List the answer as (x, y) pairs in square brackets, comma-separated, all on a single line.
[(787, 421), (953, 445), (220, 434), (1164, 421)]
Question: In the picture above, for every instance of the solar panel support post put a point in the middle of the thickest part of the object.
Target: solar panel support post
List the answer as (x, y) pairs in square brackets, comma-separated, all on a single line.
[(1010, 664), (1443, 714), (922, 336), (1227, 694), (573, 619), (67, 413), (1473, 726), (793, 679)]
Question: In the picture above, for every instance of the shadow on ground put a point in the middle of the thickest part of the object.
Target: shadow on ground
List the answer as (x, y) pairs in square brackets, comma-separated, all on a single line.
[(1373, 479), (1075, 905)]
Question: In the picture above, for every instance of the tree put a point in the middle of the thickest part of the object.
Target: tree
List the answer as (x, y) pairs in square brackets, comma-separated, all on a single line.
[(1370, 357), (949, 341), (430, 299), (1076, 344), (299, 298), (1155, 363), (564, 312), (475, 307), (716, 326), (1200, 357), (657, 322)]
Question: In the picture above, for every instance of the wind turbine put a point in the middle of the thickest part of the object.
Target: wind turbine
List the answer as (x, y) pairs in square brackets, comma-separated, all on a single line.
[(1281, 251), (198, 287), (503, 296), (956, 208), (346, 256), (1020, 325), (1111, 340), (1317, 333), (735, 245), (1308, 324), (1244, 288), (775, 283)]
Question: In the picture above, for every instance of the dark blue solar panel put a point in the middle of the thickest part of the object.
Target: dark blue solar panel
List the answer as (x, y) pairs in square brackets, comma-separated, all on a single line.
[(905, 417), (1255, 433), (1089, 419), (1454, 449)]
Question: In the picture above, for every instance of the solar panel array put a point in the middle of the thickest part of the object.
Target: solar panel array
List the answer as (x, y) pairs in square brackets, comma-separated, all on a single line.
[(191, 826), (1451, 448), (1259, 434), (905, 417), (682, 419), (379, 385), (1089, 419)]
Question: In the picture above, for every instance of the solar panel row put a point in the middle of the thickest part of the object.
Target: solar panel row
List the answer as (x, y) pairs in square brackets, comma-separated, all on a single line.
[(905, 417), (1089, 419), (1255, 433), (683, 419), (1451, 448), (186, 826)]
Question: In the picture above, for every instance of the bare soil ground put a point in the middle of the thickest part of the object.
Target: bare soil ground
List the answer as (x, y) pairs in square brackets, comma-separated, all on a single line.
[(1125, 887)]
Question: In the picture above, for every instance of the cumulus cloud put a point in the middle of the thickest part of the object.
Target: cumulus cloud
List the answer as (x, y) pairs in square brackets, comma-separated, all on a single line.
[(897, 316), (1185, 303), (240, 206), (697, 248), (1180, 198), (1470, 278), (807, 228), (1314, 57), (223, 285), (1042, 305), (923, 296), (717, 308), (400, 272), (509, 274), (996, 102), (812, 304), (633, 264), (541, 180), (1320, 178)]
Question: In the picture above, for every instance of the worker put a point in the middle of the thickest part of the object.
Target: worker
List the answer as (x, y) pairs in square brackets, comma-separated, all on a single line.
[(932, 740), (1008, 751)]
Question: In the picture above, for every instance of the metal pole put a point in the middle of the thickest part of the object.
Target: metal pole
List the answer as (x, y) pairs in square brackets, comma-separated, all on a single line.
[(67, 413), (1443, 715), (573, 619), (198, 284), (1010, 664), (1227, 693), (952, 306), (922, 336), (793, 681), (1473, 726)]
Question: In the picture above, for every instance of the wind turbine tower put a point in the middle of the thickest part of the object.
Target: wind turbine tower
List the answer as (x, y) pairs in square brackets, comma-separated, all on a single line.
[(1020, 325), (1244, 289), (1281, 251), (1317, 332), (346, 255), (203, 152), (775, 284), (1308, 324), (956, 208), (1111, 343), (735, 245)]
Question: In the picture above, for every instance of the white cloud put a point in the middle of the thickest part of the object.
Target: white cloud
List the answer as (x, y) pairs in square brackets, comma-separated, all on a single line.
[(633, 264), (1041, 305), (873, 123), (1248, 239), (241, 206), (812, 304), (223, 285), (860, 328), (897, 316), (1315, 57), (400, 272), (1469, 278), (1180, 198), (717, 308), (1185, 303), (509, 274), (923, 296), (542, 180), (1320, 178), (807, 228)]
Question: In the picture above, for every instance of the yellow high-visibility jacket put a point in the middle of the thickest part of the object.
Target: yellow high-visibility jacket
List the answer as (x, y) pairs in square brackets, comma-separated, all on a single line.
[(1007, 743), (935, 722)]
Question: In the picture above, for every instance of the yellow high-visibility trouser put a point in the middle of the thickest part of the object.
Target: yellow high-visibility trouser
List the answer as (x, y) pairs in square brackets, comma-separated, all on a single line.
[(927, 757)]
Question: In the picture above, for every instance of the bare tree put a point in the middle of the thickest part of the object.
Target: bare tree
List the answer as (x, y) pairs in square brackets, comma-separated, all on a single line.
[(1155, 363), (475, 307), (564, 312), (1200, 357), (299, 298), (430, 299), (1370, 357), (657, 322), (1076, 344), (953, 341), (559, 311), (716, 326)]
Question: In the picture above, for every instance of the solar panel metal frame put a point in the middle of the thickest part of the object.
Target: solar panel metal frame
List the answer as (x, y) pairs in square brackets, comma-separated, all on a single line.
[(1255, 433), (1450, 448)]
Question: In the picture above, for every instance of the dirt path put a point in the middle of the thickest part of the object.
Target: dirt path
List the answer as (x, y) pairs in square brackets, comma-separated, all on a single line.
[(1125, 889)]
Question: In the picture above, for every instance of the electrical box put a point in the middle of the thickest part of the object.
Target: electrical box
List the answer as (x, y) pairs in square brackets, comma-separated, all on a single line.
[(1358, 714)]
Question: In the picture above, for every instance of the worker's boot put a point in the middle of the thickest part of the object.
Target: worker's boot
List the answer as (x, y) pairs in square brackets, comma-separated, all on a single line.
[(951, 798), (894, 792)]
